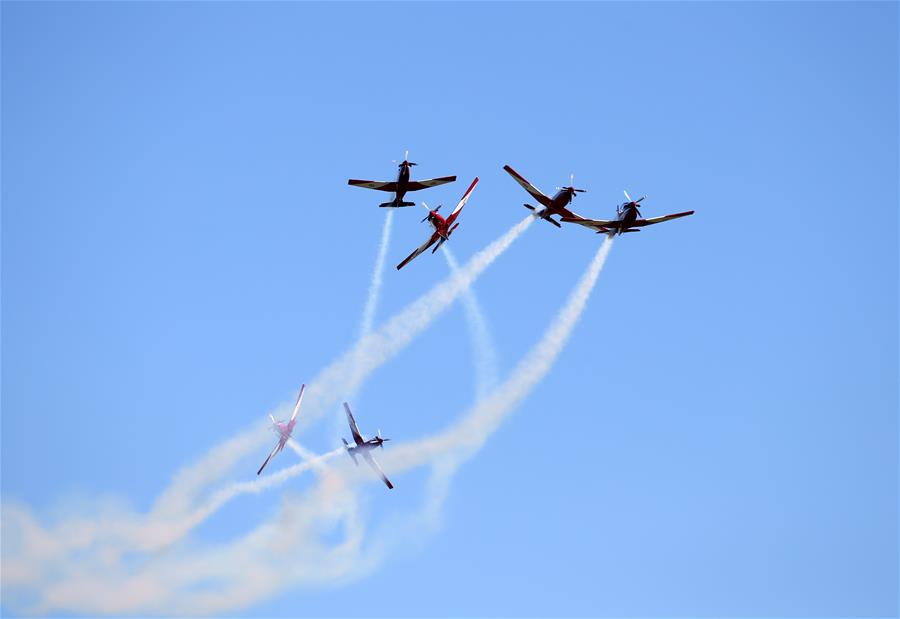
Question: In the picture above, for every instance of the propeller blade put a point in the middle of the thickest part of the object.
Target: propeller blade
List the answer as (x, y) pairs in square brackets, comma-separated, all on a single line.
[(627, 197)]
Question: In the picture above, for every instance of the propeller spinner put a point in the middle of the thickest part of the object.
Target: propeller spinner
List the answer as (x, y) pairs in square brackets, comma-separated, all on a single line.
[(633, 203), (430, 211), (405, 161), (571, 188)]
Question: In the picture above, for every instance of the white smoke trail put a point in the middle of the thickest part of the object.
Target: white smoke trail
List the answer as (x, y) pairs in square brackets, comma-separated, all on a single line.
[(368, 317), (484, 355), (33, 555), (288, 550), (470, 433), (346, 374)]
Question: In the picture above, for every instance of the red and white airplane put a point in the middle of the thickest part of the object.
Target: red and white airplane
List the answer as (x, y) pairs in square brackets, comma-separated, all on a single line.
[(551, 206), (402, 184), (628, 219), (443, 228), (284, 429)]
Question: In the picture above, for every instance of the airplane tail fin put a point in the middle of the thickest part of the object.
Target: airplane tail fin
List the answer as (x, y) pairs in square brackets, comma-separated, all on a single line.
[(542, 213), (347, 447)]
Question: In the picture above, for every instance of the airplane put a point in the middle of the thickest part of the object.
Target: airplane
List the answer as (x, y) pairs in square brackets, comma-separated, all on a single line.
[(363, 447), (551, 206), (628, 219), (443, 228), (402, 185), (284, 429)]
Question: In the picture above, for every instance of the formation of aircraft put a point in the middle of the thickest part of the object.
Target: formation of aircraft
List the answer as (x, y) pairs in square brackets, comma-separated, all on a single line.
[(363, 447), (628, 219), (284, 429), (402, 184), (443, 228)]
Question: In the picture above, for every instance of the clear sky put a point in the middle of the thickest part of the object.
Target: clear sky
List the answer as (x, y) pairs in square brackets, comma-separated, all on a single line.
[(180, 250)]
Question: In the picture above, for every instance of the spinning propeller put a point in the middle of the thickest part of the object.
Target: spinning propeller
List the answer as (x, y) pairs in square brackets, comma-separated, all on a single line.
[(430, 211), (571, 187), (378, 436), (633, 203), (405, 161)]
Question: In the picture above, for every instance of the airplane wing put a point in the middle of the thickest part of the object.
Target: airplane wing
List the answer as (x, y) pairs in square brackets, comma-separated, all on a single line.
[(275, 450), (534, 191), (572, 216), (594, 224), (374, 465), (379, 185), (423, 247), (656, 220), (357, 437), (452, 217), (297, 405), (428, 182)]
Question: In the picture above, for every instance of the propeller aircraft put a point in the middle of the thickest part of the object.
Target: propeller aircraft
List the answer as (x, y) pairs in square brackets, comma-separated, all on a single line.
[(402, 184), (551, 206), (443, 228), (628, 219), (284, 429), (363, 447)]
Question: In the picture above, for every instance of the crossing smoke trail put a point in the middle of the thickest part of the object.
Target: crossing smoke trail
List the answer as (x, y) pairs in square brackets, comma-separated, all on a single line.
[(484, 356), (289, 550), (62, 565), (368, 316), (344, 376), (468, 435)]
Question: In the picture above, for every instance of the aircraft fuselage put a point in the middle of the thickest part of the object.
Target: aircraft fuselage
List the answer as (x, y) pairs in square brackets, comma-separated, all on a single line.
[(558, 203), (628, 214), (439, 224), (284, 429), (402, 180), (369, 445)]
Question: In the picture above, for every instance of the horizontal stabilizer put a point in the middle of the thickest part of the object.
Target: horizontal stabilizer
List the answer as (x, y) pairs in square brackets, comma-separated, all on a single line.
[(552, 221), (351, 454), (529, 207), (395, 204)]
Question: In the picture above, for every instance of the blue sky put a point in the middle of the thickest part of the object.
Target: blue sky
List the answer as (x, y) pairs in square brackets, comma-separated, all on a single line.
[(180, 251)]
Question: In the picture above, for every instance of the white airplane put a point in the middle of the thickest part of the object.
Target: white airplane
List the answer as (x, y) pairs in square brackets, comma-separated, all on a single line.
[(284, 429), (363, 447)]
